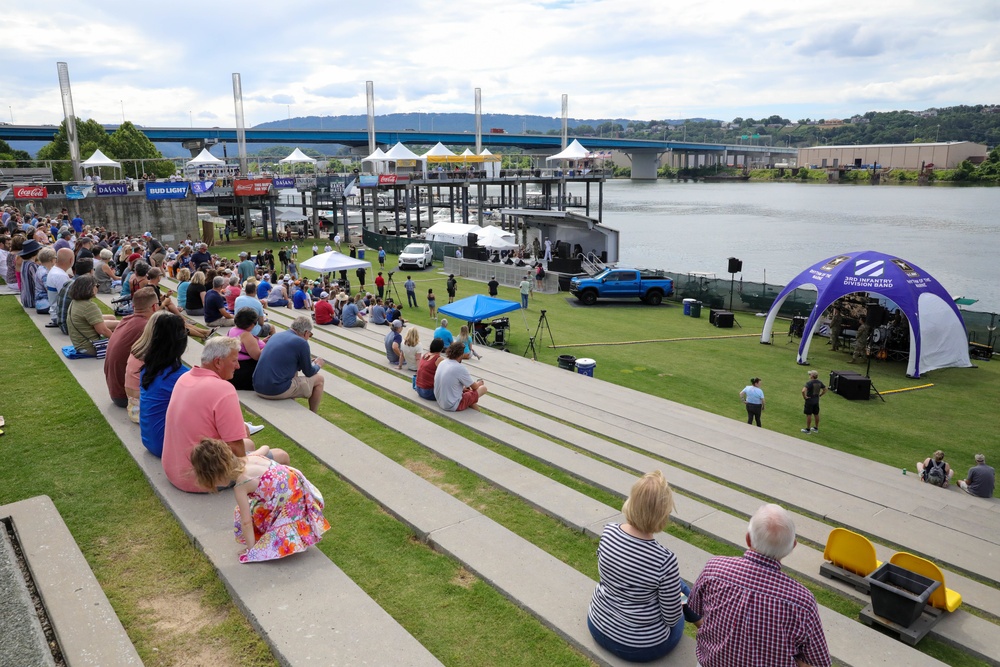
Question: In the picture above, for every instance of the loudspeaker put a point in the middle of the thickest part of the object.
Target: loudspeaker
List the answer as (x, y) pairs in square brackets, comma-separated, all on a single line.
[(735, 265), (876, 315), (724, 320), (473, 240), (850, 385), (562, 248)]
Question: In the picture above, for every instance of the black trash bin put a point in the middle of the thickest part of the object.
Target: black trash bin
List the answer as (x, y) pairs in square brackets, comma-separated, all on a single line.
[(696, 309), (898, 594), (567, 361)]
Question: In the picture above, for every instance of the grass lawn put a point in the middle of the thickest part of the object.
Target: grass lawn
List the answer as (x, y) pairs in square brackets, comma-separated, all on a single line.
[(707, 367)]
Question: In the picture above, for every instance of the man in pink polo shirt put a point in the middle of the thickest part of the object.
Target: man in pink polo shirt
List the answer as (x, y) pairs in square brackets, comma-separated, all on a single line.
[(205, 405)]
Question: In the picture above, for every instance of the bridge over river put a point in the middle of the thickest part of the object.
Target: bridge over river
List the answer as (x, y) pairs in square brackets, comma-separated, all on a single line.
[(644, 154)]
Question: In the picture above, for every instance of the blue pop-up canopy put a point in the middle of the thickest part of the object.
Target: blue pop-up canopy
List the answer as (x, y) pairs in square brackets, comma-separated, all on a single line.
[(478, 307), (937, 332)]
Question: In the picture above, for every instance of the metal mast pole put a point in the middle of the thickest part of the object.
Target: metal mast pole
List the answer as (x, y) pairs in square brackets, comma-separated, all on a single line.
[(71, 135), (565, 116), (370, 94), (479, 121)]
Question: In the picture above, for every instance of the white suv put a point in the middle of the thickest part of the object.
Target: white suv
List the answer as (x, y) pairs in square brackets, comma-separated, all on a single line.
[(419, 255)]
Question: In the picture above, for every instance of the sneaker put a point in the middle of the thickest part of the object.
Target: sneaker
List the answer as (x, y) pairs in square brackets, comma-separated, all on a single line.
[(805, 430), (252, 429), (815, 430)]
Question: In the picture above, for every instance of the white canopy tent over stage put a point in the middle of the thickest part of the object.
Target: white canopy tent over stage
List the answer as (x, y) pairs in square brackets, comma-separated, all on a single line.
[(575, 151), (297, 156), (451, 232), (494, 238), (938, 338), (205, 159)]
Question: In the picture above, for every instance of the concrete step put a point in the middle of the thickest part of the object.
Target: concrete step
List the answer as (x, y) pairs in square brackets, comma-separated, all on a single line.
[(343, 627)]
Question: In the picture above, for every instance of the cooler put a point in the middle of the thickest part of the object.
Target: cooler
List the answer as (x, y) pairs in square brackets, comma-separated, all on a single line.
[(586, 367), (687, 305)]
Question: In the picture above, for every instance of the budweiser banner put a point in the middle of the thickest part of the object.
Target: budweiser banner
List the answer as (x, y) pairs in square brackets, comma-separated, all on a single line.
[(201, 187), (258, 186), (112, 189), (283, 182), (78, 191), (387, 179), (31, 192), (167, 190)]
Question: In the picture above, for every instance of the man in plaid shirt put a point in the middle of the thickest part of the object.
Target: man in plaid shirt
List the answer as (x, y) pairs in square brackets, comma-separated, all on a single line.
[(755, 615)]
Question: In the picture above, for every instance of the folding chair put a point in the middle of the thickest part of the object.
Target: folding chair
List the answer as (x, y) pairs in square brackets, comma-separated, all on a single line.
[(851, 558)]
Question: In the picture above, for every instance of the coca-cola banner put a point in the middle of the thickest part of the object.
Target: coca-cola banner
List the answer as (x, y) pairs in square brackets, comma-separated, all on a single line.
[(284, 182), (177, 190), (112, 189), (387, 179), (31, 192), (258, 186)]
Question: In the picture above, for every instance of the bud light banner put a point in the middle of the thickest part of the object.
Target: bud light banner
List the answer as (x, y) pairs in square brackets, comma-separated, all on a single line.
[(201, 187), (78, 191), (280, 183), (31, 192), (259, 186), (166, 190), (112, 189)]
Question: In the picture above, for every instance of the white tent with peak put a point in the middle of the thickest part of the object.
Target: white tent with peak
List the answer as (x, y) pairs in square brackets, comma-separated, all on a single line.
[(575, 151), (99, 159), (205, 159), (439, 151), (297, 156)]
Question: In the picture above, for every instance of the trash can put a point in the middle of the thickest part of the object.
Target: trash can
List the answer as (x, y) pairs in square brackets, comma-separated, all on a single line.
[(585, 367), (687, 305), (361, 253), (567, 362), (898, 594), (696, 309)]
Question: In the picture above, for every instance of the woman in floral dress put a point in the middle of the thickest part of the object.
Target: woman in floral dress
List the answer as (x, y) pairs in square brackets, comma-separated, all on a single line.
[(276, 506)]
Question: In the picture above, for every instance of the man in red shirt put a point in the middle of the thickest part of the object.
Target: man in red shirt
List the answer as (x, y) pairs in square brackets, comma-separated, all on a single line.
[(205, 405), (380, 284), (755, 615), (144, 304), (324, 310)]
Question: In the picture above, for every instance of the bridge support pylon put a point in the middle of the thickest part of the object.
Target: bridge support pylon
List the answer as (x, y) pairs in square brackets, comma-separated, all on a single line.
[(644, 165)]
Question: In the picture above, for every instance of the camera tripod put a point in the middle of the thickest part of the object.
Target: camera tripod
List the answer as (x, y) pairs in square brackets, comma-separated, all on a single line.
[(543, 323), (392, 284)]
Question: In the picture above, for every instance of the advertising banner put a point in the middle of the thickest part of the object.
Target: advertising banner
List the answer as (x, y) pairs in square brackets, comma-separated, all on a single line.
[(166, 190), (31, 192), (368, 180), (112, 189), (303, 183), (258, 186), (284, 182), (387, 179), (201, 187), (78, 191)]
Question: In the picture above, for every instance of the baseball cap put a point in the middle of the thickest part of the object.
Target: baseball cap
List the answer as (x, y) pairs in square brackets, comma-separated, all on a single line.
[(148, 235), (980, 458), (397, 324), (324, 295)]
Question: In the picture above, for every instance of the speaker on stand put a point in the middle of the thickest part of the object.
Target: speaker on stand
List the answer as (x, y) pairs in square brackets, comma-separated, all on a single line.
[(735, 266)]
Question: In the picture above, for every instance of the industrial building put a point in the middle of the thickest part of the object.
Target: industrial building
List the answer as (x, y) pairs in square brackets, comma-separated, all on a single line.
[(943, 155)]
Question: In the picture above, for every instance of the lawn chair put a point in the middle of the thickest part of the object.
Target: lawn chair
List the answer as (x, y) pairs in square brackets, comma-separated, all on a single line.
[(851, 558), (943, 598)]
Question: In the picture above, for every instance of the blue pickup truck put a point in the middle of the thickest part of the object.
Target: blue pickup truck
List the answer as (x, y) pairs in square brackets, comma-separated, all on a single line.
[(619, 283)]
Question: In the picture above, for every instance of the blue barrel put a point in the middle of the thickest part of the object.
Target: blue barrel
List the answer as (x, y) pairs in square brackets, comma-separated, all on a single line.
[(585, 367), (361, 253), (414, 383), (687, 306)]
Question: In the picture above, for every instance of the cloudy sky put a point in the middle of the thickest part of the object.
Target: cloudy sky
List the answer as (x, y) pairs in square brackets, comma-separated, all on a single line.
[(170, 64)]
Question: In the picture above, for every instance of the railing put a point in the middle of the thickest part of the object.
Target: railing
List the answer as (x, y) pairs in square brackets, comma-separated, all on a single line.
[(591, 264)]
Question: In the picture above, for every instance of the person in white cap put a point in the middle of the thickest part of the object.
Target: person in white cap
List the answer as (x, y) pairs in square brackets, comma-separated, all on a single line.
[(980, 480)]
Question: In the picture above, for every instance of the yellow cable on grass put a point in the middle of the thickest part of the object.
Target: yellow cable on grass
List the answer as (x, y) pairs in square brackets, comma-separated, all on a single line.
[(899, 391), (655, 340)]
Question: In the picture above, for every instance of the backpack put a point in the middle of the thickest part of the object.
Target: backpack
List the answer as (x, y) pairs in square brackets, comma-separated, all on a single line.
[(935, 474)]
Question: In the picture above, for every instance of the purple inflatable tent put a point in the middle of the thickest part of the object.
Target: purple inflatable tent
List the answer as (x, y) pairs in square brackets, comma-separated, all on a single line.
[(937, 332)]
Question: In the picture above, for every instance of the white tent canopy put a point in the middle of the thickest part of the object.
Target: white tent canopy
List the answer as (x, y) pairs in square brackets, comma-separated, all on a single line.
[(494, 238), (439, 150), (297, 156), (451, 232), (575, 151), (292, 216), (468, 153), (377, 156), (325, 262), (401, 152), (205, 159), (99, 159)]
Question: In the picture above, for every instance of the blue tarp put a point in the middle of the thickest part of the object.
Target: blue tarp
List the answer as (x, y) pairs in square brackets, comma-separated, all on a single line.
[(478, 307), (937, 331)]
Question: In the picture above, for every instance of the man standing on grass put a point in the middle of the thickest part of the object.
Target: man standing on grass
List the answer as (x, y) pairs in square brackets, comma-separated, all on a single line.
[(525, 289), (493, 286), (811, 392), (411, 291)]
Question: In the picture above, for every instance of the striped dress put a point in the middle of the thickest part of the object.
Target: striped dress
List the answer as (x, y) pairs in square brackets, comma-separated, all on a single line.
[(638, 598)]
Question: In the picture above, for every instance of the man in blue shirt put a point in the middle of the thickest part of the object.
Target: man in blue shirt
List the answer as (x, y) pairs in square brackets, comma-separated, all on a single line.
[(249, 300), (246, 267), (263, 288), (277, 374), (443, 333), (301, 299), (393, 341), (216, 314), (381, 257), (411, 291), (351, 315), (77, 223), (378, 313)]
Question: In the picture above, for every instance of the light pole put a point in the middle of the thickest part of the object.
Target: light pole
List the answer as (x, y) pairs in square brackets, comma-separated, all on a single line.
[(914, 134), (11, 110), (191, 118), (937, 133)]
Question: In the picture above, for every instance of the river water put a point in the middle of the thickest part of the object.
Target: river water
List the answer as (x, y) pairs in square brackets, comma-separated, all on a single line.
[(952, 233)]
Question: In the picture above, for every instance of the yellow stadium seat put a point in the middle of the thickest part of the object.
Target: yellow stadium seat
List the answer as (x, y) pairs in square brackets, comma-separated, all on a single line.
[(943, 597), (851, 551)]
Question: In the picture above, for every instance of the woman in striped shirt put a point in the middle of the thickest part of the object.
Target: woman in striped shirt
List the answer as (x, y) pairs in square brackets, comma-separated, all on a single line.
[(638, 609)]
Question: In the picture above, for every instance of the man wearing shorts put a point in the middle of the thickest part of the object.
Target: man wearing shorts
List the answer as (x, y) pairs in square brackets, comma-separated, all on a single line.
[(454, 389), (811, 392), (277, 374)]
